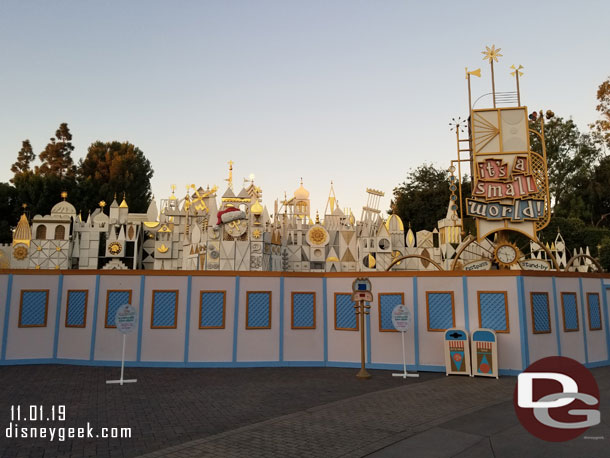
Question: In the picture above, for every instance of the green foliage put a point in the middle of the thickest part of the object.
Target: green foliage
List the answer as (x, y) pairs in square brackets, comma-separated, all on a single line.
[(575, 233), (115, 167), (571, 159), (9, 211), (24, 158), (601, 127), (423, 198), (604, 254), (56, 159)]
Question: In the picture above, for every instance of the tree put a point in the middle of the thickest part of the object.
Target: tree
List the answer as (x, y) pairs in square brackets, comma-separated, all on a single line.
[(571, 157), (601, 127), (9, 212), (57, 156), (24, 158), (114, 167), (423, 198)]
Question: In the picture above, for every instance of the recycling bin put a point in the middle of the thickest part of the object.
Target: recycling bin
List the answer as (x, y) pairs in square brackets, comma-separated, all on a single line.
[(457, 352)]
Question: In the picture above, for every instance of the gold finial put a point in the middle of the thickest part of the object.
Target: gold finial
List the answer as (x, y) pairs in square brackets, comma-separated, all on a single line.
[(516, 70), (317, 217), (64, 194), (517, 73), (24, 206), (102, 204), (230, 179), (476, 72), (491, 54), (115, 196)]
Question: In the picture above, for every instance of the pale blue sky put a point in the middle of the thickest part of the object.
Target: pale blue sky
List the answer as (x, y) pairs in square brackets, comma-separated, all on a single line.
[(356, 92)]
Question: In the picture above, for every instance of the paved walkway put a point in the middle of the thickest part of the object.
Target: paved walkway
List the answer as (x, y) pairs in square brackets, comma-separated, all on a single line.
[(284, 412)]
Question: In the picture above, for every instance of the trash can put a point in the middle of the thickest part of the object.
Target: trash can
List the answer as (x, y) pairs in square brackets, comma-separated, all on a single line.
[(457, 352), (484, 353)]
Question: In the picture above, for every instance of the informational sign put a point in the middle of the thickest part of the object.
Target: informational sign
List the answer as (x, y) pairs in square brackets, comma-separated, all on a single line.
[(401, 318), (125, 319), (510, 183), (535, 264), (479, 264)]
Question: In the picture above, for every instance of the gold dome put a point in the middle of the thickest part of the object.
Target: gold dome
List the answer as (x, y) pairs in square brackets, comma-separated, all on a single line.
[(257, 208), (22, 234), (301, 193)]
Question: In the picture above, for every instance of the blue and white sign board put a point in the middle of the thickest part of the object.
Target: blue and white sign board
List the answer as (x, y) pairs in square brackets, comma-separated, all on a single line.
[(401, 319), (125, 319)]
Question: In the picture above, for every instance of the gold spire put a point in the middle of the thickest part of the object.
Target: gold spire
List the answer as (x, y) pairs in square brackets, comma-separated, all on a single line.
[(257, 208), (124, 203), (64, 194), (22, 233), (102, 204), (230, 179)]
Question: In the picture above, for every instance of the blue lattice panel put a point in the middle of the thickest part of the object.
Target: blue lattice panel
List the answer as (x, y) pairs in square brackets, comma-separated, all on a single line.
[(212, 312), (493, 314), (387, 302), (570, 312), (114, 300), (258, 310), (164, 309), (33, 310), (303, 310), (595, 318), (540, 313), (76, 309), (345, 313), (440, 311)]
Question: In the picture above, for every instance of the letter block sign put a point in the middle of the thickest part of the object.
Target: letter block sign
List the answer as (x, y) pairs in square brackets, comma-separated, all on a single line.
[(457, 352), (484, 353)]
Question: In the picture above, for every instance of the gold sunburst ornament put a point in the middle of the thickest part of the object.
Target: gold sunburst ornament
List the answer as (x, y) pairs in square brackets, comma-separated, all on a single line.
[(491, 54)]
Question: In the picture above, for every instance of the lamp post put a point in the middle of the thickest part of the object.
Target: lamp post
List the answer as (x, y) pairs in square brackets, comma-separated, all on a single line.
[(361, 294)]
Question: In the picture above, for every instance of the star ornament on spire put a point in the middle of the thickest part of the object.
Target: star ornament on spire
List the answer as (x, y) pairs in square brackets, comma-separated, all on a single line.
[(491, 54)]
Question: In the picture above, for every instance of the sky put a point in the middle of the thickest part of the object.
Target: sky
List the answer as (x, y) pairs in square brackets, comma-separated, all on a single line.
[(348, 91)]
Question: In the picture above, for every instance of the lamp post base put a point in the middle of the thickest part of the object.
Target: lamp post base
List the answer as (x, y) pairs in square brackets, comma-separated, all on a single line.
[(362, 373)]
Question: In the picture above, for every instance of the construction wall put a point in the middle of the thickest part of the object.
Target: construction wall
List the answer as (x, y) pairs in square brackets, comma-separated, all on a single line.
[(231, 319)]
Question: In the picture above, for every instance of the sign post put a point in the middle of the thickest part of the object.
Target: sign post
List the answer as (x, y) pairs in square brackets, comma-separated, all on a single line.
[(361, 294), (401, 318), (125, 320)]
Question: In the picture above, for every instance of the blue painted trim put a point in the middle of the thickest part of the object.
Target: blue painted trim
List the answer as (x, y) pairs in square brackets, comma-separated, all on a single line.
[(584, 321), (7, 315), (187, 326), (236, 318), (369, 352), (557, 326), (96, 302), (416, 323), (466, 307), (596, 364), (525, 351), (141, 317), (243, 364), (605, 324), (60, 289), (325, 318), (281, 356)]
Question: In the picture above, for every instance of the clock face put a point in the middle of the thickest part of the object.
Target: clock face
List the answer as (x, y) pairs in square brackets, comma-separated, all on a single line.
[(506, 254), (236, 228)]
